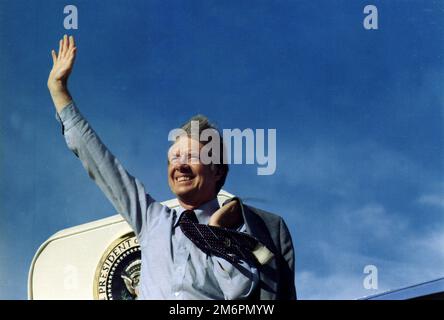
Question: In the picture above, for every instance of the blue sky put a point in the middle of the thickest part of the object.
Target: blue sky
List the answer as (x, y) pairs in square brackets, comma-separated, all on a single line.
[(358, 116)]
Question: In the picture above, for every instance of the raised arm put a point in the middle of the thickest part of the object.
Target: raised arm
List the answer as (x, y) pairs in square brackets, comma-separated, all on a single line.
[(63, 63), (126, 193)]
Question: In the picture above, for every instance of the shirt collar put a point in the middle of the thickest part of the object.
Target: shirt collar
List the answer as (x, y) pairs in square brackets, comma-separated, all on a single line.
[(203, 212)]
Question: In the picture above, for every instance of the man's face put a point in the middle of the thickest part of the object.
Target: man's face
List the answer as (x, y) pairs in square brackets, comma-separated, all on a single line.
[(193, 182)]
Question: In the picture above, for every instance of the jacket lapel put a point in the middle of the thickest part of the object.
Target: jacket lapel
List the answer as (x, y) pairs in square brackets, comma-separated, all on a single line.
[(268, 274)]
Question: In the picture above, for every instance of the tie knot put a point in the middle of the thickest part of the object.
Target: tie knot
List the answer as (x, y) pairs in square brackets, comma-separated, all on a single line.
[(188, 216)]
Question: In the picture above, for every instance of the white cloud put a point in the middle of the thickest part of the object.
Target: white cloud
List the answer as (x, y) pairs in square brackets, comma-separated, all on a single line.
[(371, 221), (420, 259), (343, 278), (311, 286), (369, 235), (432, 200)]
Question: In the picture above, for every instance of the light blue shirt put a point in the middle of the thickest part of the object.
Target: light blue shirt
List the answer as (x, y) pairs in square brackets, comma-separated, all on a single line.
[(172, 266)]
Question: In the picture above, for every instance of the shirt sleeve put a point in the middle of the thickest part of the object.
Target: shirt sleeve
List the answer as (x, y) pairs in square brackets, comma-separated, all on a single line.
[(236, 282), (126, 193)]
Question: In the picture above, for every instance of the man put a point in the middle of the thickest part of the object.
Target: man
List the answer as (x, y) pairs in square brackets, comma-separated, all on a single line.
[(176, 263)]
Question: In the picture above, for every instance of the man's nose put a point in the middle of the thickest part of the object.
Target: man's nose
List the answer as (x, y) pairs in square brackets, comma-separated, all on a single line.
[(181, 163), (182, 159), (182, 167)]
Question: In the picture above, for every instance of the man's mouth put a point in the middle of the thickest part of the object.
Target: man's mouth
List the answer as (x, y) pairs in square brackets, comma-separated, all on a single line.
[(183, 178)]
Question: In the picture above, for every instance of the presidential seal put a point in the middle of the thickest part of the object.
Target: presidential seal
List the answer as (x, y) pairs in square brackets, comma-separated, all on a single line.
[(118, 273)]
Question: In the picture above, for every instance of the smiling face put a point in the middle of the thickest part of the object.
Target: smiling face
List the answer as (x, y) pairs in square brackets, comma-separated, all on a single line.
[(191, 181)]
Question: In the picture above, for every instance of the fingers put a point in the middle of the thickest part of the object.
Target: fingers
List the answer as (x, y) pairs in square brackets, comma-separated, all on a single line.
[(54, 56), (71, 42), (72, 47), (67, 48), (65, 45), (60, 48), (73, 52)]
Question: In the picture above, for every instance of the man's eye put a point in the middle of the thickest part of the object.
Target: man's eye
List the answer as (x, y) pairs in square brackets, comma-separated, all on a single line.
[(174, 159)]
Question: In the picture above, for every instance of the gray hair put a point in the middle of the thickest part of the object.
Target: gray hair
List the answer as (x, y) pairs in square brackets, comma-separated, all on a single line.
[(204, 124)]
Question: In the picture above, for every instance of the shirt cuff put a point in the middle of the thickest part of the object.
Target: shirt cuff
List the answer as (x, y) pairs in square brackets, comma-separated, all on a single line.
[(69, 116)]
